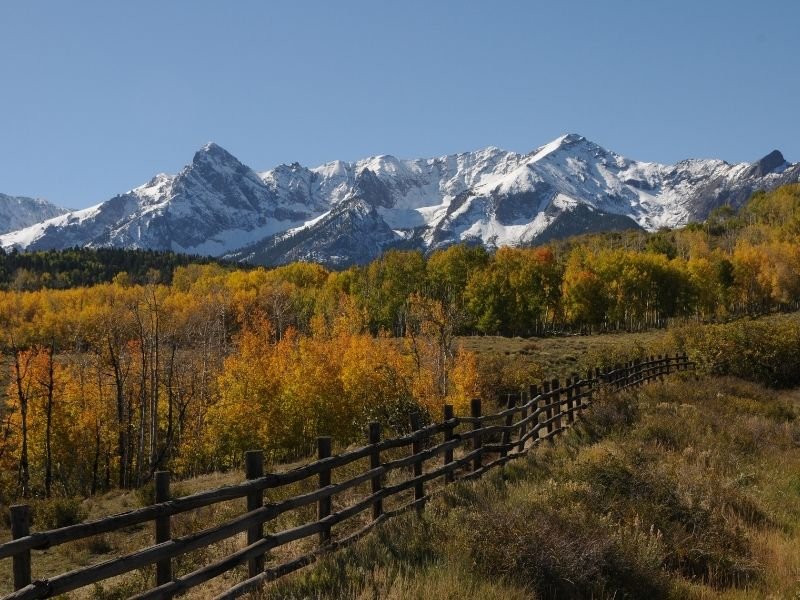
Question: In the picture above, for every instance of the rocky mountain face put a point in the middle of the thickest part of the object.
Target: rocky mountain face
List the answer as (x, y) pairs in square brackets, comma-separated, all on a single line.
[(18, 212), (343, 213)]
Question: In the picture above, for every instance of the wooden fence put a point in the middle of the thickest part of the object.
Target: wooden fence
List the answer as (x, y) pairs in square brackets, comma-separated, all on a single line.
[(465, 446)]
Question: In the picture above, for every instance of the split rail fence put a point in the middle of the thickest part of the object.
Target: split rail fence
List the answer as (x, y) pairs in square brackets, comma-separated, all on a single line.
[(394, 481)]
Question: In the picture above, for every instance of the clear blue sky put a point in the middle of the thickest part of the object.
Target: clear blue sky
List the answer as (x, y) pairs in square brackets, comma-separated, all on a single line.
[(97, 96)]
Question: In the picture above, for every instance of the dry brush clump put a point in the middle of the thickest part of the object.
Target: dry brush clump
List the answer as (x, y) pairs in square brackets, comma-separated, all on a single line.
[(765, 350)]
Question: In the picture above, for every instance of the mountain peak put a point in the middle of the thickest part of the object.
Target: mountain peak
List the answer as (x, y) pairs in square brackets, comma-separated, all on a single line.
[(567, 140), (571, 138), (769, 163), (212, 152)]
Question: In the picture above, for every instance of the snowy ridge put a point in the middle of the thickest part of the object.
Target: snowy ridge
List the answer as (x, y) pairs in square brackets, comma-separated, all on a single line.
[(341, 213), (17, 212)]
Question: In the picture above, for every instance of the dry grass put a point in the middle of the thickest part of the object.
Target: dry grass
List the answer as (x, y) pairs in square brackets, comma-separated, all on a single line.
[(54, 561), (686, 490), (565, 355), (690, 490)]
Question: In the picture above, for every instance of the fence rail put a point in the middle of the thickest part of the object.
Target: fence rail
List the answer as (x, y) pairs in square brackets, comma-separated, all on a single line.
[(466, 446)]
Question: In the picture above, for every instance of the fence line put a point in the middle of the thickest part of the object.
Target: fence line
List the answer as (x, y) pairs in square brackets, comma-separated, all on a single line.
[(468, 446)]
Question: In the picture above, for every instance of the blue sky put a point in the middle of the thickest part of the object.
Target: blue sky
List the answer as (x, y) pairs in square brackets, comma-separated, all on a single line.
[(97, 96)]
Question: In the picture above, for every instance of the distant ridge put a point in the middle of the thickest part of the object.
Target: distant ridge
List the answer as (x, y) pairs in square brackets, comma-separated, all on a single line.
[(343, 213), (17, 212)]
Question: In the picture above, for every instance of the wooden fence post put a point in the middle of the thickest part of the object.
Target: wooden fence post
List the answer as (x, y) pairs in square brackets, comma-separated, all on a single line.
[(548, 402), (570, 405), (626, 373), (450, 476), (20, 527), (475, 413), (505, 439), (587, 400), (324, 504), (374, 463), (577, 382), (163, 567), (556, 390), (660, 370), (416, 448), (253, 469), (534, 392), (524, 399)]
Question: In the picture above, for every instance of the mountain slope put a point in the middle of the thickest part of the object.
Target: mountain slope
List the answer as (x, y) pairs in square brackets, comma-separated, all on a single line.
[(351, 233), (17, 212), (342, 213)]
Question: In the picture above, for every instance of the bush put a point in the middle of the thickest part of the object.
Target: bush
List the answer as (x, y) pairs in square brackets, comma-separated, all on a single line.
[(691, 512), (499, 374), (544, 539), (58, 512), (609, 414), (764, 350), (96, 544)]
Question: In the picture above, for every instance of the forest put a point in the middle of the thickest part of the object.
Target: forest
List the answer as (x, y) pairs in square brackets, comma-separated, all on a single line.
[(60, 269), (184, 365)]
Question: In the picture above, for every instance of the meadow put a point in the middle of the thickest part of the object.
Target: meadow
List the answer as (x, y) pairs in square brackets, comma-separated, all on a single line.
[(687, 489)]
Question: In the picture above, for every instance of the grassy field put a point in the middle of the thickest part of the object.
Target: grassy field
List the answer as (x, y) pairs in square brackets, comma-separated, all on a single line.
[(684, 490), (559, 356)]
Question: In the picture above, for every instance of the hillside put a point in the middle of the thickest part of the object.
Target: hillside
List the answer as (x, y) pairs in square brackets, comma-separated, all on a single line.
[(682, 490)]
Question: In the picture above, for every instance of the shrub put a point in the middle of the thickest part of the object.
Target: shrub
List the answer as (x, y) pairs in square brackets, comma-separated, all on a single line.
[(499, 374), (58, 512), (609, 413), (764, 350), (96, 544), (560, 550)]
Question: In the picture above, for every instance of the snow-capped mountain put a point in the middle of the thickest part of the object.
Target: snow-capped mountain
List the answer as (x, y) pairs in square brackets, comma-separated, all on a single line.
[(342, 213), (213, 206), (17, 212)]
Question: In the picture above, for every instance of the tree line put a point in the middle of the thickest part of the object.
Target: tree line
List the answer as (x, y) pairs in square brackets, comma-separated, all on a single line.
[(62, 269)]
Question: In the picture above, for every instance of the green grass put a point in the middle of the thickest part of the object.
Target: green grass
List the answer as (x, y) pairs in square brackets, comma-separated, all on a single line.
[(689, 489)]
